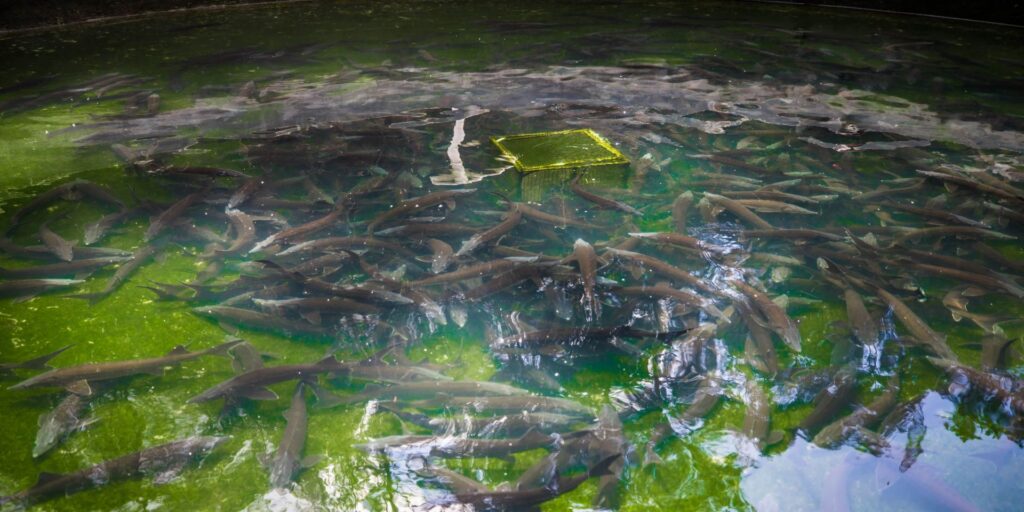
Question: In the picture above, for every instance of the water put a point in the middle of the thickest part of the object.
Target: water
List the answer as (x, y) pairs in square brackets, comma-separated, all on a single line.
[(704, 99)]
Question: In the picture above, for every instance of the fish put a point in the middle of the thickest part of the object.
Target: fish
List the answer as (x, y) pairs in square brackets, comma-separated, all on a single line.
[(63, 249), (1006, 390), (164, 461), (139, 258), (664, 291), (245, 232), (835, 433), (70, 268), (302, 230), (470, 272), (432, 388), (531, 498), (70, 191), (830, 400), (441, 257), (313, 306), (169, 216), (560, 221), (459, 447), (708, 395), (739, 210), (24, 289), (601, 201), (249, 318), (76, 379), (758, 346), (933, 341), (682, 241), (944, 231), (392, 373), (666, 269), (62, 421), (453, 480), (96, 231), (36, 363), (505, 425), (580, 335), (416, 204), (792, 233), (757, 420), (862, 323), (253, 384), (777, 318), (508, 404), (680, 210), (773, 206), (375, 295), (287, 461), (344, 243), (585, 257), (511, 220), (1003, 284)]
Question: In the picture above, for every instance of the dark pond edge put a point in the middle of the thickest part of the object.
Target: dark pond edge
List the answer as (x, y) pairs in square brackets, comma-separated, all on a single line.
[(6, 33)]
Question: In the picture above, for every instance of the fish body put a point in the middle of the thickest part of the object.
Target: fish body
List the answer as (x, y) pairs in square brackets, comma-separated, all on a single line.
[(59, 423), (416, 204), (287, 460), (172, 214), (778, 320), (70, 268), (253, 384), (165, 461), (76, 378), (509, 404)]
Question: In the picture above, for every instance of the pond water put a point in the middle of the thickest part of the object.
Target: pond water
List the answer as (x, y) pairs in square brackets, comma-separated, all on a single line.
[(802, 293)]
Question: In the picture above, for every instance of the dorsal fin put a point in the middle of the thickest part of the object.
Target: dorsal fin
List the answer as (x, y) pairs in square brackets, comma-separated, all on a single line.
[(178, 350)]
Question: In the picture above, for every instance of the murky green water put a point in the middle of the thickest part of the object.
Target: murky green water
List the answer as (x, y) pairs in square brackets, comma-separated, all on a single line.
[(833, 112)]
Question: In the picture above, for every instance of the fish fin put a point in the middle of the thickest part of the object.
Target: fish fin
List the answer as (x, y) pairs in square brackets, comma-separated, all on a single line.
[(178, 350), (24, 298), (40, 362), (79, 387), (602, 468), (224, 349), (258, 394), (325, 399), (265, 459), (774, 437), (650, 457), (86, 424), (47, 477), (226, 327), (328, 359), (312, 317), (311, 460), (166, 477)]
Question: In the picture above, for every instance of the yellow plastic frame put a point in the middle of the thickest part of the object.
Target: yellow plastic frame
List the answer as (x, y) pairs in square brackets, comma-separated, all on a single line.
[(609, 156)]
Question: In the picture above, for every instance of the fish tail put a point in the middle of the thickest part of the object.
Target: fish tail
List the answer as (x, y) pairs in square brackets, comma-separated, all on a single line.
[(223, 349), (40, 362), (650, 457)]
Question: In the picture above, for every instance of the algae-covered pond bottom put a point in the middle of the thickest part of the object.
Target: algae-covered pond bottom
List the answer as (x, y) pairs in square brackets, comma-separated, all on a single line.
[(802, 293)]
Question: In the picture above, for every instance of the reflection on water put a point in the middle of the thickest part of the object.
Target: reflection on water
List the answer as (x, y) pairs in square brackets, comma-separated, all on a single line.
[(948, 470), (802, 293)]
